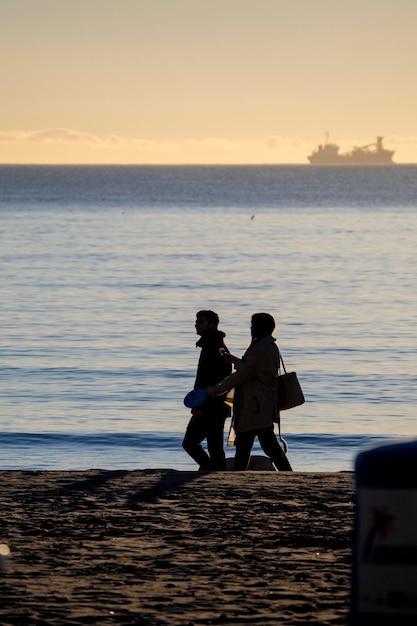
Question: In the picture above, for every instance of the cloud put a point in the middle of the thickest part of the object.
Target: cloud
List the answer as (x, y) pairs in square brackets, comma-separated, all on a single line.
[(64, 145), (65, 135), (47, 135), (278, 142), (68, 136), (402, 141)]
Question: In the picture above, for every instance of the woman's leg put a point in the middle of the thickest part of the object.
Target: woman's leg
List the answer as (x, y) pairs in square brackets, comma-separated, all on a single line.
[(269, 444), (244, 444)]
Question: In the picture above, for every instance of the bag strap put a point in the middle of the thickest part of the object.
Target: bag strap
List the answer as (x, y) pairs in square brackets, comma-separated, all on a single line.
[(280, 437), (282, 361), (278, 414)]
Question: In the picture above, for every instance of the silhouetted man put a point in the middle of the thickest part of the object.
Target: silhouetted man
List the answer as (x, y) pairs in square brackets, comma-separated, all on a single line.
[(207, 420)]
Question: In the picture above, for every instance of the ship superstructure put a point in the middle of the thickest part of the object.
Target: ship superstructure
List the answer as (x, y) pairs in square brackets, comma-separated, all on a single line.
[(371, 154)]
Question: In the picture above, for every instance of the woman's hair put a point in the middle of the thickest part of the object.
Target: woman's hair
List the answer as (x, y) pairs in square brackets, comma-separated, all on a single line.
[(263, 324), (210, 316)]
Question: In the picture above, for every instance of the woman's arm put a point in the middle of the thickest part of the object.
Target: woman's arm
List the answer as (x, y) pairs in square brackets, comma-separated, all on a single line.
[(229, 358), (248, 369)]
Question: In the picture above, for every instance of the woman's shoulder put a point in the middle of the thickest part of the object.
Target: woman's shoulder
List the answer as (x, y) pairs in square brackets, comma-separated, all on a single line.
[(268, 342)]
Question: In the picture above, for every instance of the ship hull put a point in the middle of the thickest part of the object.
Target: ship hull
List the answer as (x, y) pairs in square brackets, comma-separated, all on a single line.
[(380, 159)]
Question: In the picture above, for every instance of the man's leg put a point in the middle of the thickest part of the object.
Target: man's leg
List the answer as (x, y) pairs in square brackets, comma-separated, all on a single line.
[(215, 443), (196, 432)]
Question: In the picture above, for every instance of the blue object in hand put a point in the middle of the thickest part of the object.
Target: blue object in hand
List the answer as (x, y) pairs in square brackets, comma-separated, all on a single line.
[(194, 398)]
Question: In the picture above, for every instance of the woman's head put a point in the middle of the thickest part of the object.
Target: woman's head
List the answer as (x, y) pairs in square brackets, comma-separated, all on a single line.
[(262, 325)]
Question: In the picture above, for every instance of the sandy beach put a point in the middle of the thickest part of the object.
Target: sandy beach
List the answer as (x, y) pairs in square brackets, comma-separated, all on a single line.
[(176, 548)]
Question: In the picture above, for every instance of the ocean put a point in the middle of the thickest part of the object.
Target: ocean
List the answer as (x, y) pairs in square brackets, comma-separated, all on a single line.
[(103, 269)]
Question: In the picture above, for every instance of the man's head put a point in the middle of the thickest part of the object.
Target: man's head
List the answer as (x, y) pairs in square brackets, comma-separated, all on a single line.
[(262, 325), (206, 320)]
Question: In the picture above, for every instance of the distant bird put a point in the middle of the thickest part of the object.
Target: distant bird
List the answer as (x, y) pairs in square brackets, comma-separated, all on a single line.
[(253, 217)]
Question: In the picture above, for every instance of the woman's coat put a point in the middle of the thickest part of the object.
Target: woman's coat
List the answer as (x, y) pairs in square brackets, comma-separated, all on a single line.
[(256, 386)]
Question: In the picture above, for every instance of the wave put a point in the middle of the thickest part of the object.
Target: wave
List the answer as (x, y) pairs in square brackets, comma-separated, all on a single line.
[(319, 452), (172, 440)]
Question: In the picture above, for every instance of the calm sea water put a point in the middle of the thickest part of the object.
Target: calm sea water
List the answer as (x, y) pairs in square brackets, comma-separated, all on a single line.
[(102, 272)]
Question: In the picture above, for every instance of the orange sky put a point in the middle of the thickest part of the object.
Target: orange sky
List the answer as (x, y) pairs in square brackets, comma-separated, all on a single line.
[(204, 81)]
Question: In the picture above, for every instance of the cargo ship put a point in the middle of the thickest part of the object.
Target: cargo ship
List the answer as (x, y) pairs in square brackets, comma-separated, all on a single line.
[(371, 154)]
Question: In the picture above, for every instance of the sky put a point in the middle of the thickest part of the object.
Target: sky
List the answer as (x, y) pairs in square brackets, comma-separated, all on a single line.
[(205, 81)]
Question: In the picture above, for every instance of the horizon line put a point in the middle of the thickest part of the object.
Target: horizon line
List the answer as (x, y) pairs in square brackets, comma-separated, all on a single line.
[(214, 164)]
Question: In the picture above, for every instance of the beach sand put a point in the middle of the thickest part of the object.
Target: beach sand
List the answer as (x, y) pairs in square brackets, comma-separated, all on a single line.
[(177, 548)]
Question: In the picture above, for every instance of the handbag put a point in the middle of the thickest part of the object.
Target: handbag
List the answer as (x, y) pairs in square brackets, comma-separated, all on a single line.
[(290, 393)]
